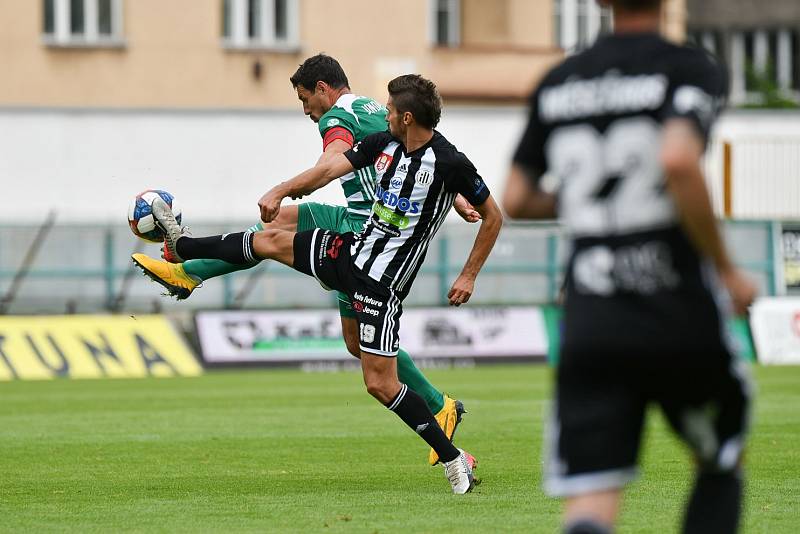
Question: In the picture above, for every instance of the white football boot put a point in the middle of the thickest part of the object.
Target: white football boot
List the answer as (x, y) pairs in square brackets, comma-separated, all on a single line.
[(459, 473), (172, 230)]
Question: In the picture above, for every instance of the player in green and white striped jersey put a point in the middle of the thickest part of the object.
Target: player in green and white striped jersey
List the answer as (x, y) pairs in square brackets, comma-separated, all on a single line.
[(343, 119), (352, 118)]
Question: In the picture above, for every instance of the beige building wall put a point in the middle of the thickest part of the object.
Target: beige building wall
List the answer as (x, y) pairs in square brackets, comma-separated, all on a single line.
[(173, 55)]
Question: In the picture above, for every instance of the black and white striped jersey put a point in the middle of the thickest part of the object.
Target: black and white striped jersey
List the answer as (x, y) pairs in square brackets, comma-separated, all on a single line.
[(414, 193)]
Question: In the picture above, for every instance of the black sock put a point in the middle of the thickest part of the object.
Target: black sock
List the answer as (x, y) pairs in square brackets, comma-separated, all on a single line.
[(586, 526), (411, 408), (234, 248), (715, 503)]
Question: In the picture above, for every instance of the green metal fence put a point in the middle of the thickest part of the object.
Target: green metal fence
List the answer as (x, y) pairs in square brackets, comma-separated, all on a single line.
[(87, 269)]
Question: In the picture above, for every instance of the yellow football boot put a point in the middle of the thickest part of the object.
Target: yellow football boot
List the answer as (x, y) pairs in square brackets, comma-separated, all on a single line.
[(170, 275), (448, 418)]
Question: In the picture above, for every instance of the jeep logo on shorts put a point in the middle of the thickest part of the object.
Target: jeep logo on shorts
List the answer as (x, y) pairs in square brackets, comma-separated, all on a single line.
[(423, 177)]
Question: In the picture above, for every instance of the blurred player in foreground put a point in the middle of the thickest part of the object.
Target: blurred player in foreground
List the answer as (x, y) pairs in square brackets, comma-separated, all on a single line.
[(419, 175), (343, 119), (622, 127)]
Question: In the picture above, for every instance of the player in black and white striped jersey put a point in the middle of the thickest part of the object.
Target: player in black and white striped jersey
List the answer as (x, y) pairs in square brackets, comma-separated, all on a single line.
[(420, 175), (414, 195)]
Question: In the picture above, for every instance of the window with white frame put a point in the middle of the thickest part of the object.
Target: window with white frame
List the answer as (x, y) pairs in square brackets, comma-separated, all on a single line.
[(577, 23), (255, 24), (82, 22), (446, 22)]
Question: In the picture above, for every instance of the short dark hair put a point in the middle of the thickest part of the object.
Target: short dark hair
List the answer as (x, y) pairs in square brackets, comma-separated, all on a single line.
[(320, 68), (635, 5), (413, 93)]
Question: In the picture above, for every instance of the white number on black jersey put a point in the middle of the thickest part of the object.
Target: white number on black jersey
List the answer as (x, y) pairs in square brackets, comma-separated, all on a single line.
[(611, 183)]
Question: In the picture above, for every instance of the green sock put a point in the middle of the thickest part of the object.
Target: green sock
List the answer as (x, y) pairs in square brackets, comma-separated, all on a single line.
[(413, 378), (205, 269)]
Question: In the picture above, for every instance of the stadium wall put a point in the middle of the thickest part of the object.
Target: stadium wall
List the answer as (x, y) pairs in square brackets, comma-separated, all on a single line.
[(87, 164)]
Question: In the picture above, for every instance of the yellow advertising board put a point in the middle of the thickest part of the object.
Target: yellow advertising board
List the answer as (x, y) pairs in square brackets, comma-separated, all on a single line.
[(92, 346)]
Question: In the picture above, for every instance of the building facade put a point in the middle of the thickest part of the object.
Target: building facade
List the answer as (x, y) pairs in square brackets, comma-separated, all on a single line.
[(759, 41), (240, 53)]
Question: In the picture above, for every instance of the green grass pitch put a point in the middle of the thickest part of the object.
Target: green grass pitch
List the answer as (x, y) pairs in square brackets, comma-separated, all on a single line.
[(284, 451)]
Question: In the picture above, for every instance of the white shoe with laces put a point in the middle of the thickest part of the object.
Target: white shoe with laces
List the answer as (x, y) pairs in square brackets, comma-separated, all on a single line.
[(459, 473), (169, 225)]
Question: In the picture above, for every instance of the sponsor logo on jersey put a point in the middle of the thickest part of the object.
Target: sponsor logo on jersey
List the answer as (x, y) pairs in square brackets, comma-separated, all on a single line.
[(423, 177), (403, 168), (333, 250), (332, 122), (388, 216), (366, 299), (643, 269), (396, 183), (383, 162), (393, 201), (385, 227)]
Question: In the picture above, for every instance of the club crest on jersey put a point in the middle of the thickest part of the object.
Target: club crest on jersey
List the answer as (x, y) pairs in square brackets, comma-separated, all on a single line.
[(423, 177), (383, 162)]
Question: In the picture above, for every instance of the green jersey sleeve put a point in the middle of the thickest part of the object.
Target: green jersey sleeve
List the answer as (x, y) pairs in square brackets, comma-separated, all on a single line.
[(337, 118)]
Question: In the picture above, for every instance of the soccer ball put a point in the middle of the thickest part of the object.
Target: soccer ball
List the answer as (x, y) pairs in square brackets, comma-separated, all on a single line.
[(140, 214)]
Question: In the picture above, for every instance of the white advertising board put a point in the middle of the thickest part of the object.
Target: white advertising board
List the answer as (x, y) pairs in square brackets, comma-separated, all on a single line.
[(281, 336), (775, 323)]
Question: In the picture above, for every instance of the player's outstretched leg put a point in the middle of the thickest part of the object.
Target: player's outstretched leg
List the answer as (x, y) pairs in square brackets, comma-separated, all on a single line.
[(237, 248), (180, 279)]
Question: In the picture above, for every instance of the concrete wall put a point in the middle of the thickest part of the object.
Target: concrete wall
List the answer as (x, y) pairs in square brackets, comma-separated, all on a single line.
[(87, 165)]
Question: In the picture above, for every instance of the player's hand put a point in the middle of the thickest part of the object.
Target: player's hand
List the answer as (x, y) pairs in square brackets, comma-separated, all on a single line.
[(270, 206), (465, 210), (741, 289), (461, 291)]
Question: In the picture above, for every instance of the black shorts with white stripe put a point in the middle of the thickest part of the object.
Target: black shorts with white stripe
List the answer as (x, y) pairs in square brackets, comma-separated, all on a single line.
[(325, 255), (594, 435)]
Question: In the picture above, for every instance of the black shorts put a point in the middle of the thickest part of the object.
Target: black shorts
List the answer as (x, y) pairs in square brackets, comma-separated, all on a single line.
[(594, 435), (325, 255)]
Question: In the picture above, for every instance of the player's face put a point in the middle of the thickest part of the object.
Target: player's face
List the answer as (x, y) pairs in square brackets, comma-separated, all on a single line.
[(314, 103), (396, 126)]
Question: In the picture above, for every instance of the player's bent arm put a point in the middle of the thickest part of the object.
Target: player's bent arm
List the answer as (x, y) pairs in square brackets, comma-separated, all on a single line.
[(307, 181), (521, 200), (337, 146), (681, 151), (466, 210), (304, 184), (492, 221)]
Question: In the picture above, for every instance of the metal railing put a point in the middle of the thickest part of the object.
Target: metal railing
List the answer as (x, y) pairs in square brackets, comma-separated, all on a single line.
[(87, 269)]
